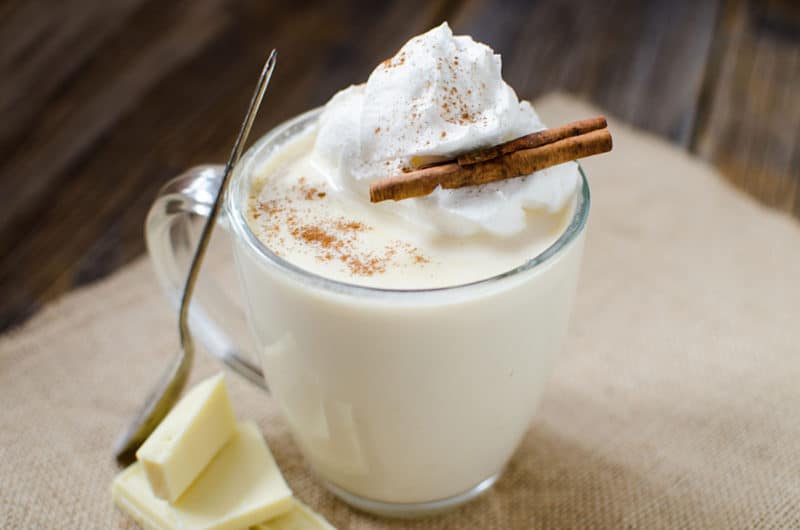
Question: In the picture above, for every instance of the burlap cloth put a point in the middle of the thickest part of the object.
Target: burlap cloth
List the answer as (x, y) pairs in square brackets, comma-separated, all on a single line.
[(675, 403)]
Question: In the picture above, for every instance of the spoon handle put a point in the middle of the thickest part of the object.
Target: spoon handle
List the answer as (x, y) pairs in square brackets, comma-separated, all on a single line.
[(169, 387)]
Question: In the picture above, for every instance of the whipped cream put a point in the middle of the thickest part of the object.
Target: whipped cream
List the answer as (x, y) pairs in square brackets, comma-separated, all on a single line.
[(440, 95)]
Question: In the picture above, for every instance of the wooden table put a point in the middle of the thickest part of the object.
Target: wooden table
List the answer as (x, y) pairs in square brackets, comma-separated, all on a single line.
[(102, 101)]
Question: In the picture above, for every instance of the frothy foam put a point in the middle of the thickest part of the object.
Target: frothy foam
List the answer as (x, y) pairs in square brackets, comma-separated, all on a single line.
[(439, 96)]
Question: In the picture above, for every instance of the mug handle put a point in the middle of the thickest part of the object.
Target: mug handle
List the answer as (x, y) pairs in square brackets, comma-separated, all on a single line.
[(171, 243)]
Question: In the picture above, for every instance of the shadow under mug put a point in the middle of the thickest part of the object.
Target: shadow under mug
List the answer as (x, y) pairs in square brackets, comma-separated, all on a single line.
[(404, 402)]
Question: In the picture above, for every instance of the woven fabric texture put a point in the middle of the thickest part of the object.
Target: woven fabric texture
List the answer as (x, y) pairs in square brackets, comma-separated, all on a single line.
[(674, 404)]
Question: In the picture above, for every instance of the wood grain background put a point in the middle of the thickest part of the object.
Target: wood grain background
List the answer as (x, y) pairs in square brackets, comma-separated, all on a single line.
[(102, 101)]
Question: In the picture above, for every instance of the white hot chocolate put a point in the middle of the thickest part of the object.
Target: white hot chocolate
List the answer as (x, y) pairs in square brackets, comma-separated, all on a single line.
[(401, 396)]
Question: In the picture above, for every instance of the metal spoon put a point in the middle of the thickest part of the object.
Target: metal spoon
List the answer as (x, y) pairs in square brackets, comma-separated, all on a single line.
[(165, 394)]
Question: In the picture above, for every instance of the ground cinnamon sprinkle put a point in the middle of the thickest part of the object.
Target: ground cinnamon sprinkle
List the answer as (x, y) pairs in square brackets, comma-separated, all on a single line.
[(314, 234), (327, 238), (392, 62), (353, 226), (366, 268)]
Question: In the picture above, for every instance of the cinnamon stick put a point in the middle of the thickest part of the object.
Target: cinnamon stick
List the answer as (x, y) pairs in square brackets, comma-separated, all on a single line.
[(507, 165), (536, 139)]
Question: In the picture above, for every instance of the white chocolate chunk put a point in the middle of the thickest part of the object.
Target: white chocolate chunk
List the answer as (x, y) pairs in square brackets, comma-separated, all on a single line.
[(240, 487), (300, 517), (188, 438)]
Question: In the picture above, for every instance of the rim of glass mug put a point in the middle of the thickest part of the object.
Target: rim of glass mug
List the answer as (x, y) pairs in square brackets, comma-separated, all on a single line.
[(272, 140)]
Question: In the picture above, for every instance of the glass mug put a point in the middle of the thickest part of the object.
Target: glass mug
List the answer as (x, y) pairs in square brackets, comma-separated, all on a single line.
[(403, 402)]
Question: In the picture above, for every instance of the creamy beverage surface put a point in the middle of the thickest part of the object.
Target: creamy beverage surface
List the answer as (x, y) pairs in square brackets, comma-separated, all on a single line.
[(441, 95), (297, 215)]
